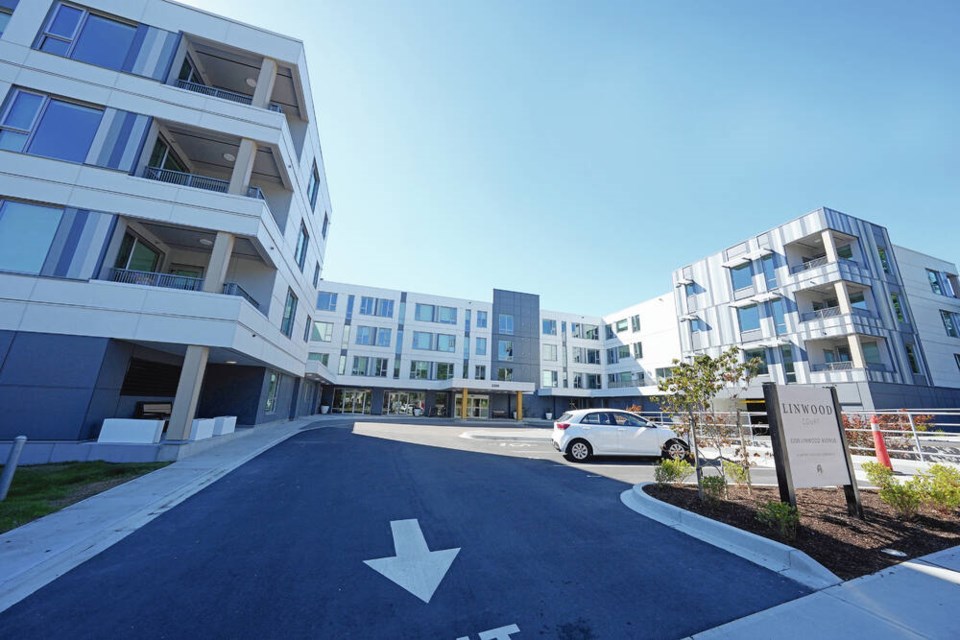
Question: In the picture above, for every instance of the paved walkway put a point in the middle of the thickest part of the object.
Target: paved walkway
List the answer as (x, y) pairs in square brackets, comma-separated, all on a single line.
[(916, 599)]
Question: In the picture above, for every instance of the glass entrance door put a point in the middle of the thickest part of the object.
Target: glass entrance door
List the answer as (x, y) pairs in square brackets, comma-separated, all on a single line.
[(352, 401), (477, 406), (405, 403)]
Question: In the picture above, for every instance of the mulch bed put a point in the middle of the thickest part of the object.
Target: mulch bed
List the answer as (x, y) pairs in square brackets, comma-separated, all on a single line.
[(846, 545)]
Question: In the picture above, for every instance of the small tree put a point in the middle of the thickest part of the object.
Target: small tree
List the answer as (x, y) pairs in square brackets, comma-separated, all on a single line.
[(738, 376)]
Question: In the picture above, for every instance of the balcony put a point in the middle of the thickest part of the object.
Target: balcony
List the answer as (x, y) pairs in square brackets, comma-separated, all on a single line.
[(848, 366), (234, 289), (173, 281), (186, 179), (834, 312), (625, 384), (224, 94)]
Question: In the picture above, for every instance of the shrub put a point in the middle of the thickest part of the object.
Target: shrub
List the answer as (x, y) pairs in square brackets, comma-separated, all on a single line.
[(714, 487), (903, 498), (739, 473), (940, 487), (672, 472), (781, 517), (878, 474)]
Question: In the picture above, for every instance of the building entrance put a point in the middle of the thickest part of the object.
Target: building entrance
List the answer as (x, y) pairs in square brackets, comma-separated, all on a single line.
[(477, 406), (352, 401), (405, 403)]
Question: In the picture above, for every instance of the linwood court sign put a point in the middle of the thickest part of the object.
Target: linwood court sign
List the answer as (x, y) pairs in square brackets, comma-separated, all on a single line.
[(809, 445)]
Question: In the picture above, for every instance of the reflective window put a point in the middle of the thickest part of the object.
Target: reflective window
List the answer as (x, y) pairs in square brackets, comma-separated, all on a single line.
[(506, 323), (88, 37), (742, 276), (446, 342), (326, 301), (289, 313), (26, 233), (137, 255), (549, 327), (322, 332), (313, 189), (422, 340), (481, 346), (481, 319), (4, 20), (303, 242), (271, 404), (49, 127), (549, 352), (505, 350), (749, 317)]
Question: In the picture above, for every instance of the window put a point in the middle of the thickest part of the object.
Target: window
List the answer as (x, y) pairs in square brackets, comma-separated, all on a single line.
[(578, 381), (342, 367), (164, 157), (481, 346), (912, 358), (884, 259), (749, 318), (480, 372), (446, 342), (481, 319), (50, 127), (664, 373), (303, 241), (289, 314), (951, 322), (322, 332), (635, 323), (26, 233), (549, 379), (381, 307), (621, 325), (594, 381), (956, 357), (419, 370), (322, 358), (549, 352), (505, 350), (624, 379), (549, 327), (359, 366), (365, 335), (609, 331), (326, 301), (845, 252), (697, 326), (871, 352), (638, 350), (897, 307), (934, 278), (326, 225), (444, 370), (306, 329), (313, 189), (768, 266), (383, 337), (615, 354), (593, 356), (742, 276), (88, 37), (506, 323), (779, 317), (591, 332), (316, 275), (505, 374), (424, 312), (272, 387), (4, 19), (759, 354), (434, 313), (786, 352), (447, 315), (367, 366), (423, 340), (137, 255)]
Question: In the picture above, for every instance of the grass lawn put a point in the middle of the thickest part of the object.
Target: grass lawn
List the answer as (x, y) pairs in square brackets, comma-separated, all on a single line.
[(39, 490)]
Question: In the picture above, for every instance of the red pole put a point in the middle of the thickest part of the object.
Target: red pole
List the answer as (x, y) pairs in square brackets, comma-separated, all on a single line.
[(878, 444)]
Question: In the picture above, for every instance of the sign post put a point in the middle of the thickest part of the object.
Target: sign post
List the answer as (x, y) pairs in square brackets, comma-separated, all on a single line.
[(809, 445)]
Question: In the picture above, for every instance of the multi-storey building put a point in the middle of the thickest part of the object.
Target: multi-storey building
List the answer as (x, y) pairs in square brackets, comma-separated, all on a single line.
[(828, 300), (163, 217)]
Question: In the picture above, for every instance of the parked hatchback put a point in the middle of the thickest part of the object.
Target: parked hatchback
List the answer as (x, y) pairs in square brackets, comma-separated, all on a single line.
[(580, 434)]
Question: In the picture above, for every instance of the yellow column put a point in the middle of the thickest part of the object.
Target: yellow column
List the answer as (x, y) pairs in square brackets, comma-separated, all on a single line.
[(463, 405), (519, 406)]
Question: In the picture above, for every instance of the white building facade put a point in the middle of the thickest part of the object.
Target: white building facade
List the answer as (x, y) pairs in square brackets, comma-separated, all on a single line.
[(163, 217)]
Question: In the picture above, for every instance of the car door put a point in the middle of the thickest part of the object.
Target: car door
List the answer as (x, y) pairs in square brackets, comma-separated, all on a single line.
[(636, 436), (600, 431)]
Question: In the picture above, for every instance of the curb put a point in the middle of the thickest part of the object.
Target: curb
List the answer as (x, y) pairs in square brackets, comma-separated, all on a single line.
[(778, 557)]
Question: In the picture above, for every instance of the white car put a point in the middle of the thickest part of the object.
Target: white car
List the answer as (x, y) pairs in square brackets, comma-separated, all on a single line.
[(583, 433)]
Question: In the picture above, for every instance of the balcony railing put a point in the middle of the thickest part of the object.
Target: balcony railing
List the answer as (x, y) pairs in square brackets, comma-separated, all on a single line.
[(255, 192), (828, 312), (810, 264), (832, 366), (186, 179), (151, 279), (224, 94), (234, 289), (624, 384)]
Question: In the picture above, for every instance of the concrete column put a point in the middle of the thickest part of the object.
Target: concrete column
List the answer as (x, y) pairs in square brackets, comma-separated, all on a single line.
[(829, 245), (843, 297), (242, 168), (519, 406), (188, 393), (856, 352), (219, 261), (464, 405), (265, 81)]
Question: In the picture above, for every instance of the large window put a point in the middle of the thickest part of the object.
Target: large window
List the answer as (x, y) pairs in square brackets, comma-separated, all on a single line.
[(549, 327), (505, 323), (446, 342), (480, 372), (444, 370), (326, 301), (481, 346), (934, 278), (419, 370), (322, 358), (549, 352), (635, 323), (481, 319), (382, 307), (620, 326), (505, 350), (51, 127), (313, 187), (786, 354), (951, 323), (548, 379), (289, 313), (26, 233), (638, 350), (322, 332), (303, 242), (761, 356), (422, 340), (88, 37), (768, 266), (884, 259), (779, 316), (273, 386), (505, 374), (4, 19), (749, 318), (585, 331), (435, 313), (742, 276), (367, 366)]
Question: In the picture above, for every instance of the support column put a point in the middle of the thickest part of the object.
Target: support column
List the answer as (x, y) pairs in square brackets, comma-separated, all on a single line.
[(242, 168), (843, 297), (265, 82), (463, 404), (188, 392), (829, 245), (519, 406), (219, 261), (856, 352)]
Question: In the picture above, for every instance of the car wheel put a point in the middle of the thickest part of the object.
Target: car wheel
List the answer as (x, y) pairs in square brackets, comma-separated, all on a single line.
[(675, 450), (579, 451)]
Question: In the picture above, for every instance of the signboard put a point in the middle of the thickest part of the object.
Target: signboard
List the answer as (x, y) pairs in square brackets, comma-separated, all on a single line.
[(809, 444), (808, 425)]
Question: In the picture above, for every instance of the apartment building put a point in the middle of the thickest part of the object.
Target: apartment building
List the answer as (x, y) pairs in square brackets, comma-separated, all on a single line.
[(827, 299), (163, 217)]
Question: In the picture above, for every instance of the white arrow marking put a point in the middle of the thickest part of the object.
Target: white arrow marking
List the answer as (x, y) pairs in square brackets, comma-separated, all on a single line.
[(414, 567)]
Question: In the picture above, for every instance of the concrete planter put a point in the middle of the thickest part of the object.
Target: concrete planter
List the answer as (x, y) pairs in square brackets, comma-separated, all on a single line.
[(130, 431), (223, 425), (324, 409), (202, 428)]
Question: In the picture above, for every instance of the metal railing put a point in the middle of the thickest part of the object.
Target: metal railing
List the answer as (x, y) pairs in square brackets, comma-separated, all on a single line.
[(186, 179), (152, 279), (832, 366), (819, 314), (255, 192), (224, 94), (234, 289), (810, 264)]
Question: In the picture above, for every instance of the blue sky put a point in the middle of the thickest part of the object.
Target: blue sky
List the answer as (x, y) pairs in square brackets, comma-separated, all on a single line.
[(584, 150)]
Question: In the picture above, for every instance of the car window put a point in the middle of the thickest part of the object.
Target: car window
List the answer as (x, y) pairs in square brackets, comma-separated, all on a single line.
[(606, 418), (629, 420), (565, 417), (590, 418)]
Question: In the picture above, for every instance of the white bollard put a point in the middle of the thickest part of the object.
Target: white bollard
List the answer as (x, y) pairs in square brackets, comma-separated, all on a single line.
[(11, 466)]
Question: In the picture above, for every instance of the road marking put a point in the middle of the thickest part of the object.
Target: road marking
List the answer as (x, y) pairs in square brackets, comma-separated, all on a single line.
[(414, 567), (503, 633)]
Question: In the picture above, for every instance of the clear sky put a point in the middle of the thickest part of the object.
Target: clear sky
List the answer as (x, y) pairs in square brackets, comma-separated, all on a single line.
[(584, 150)]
